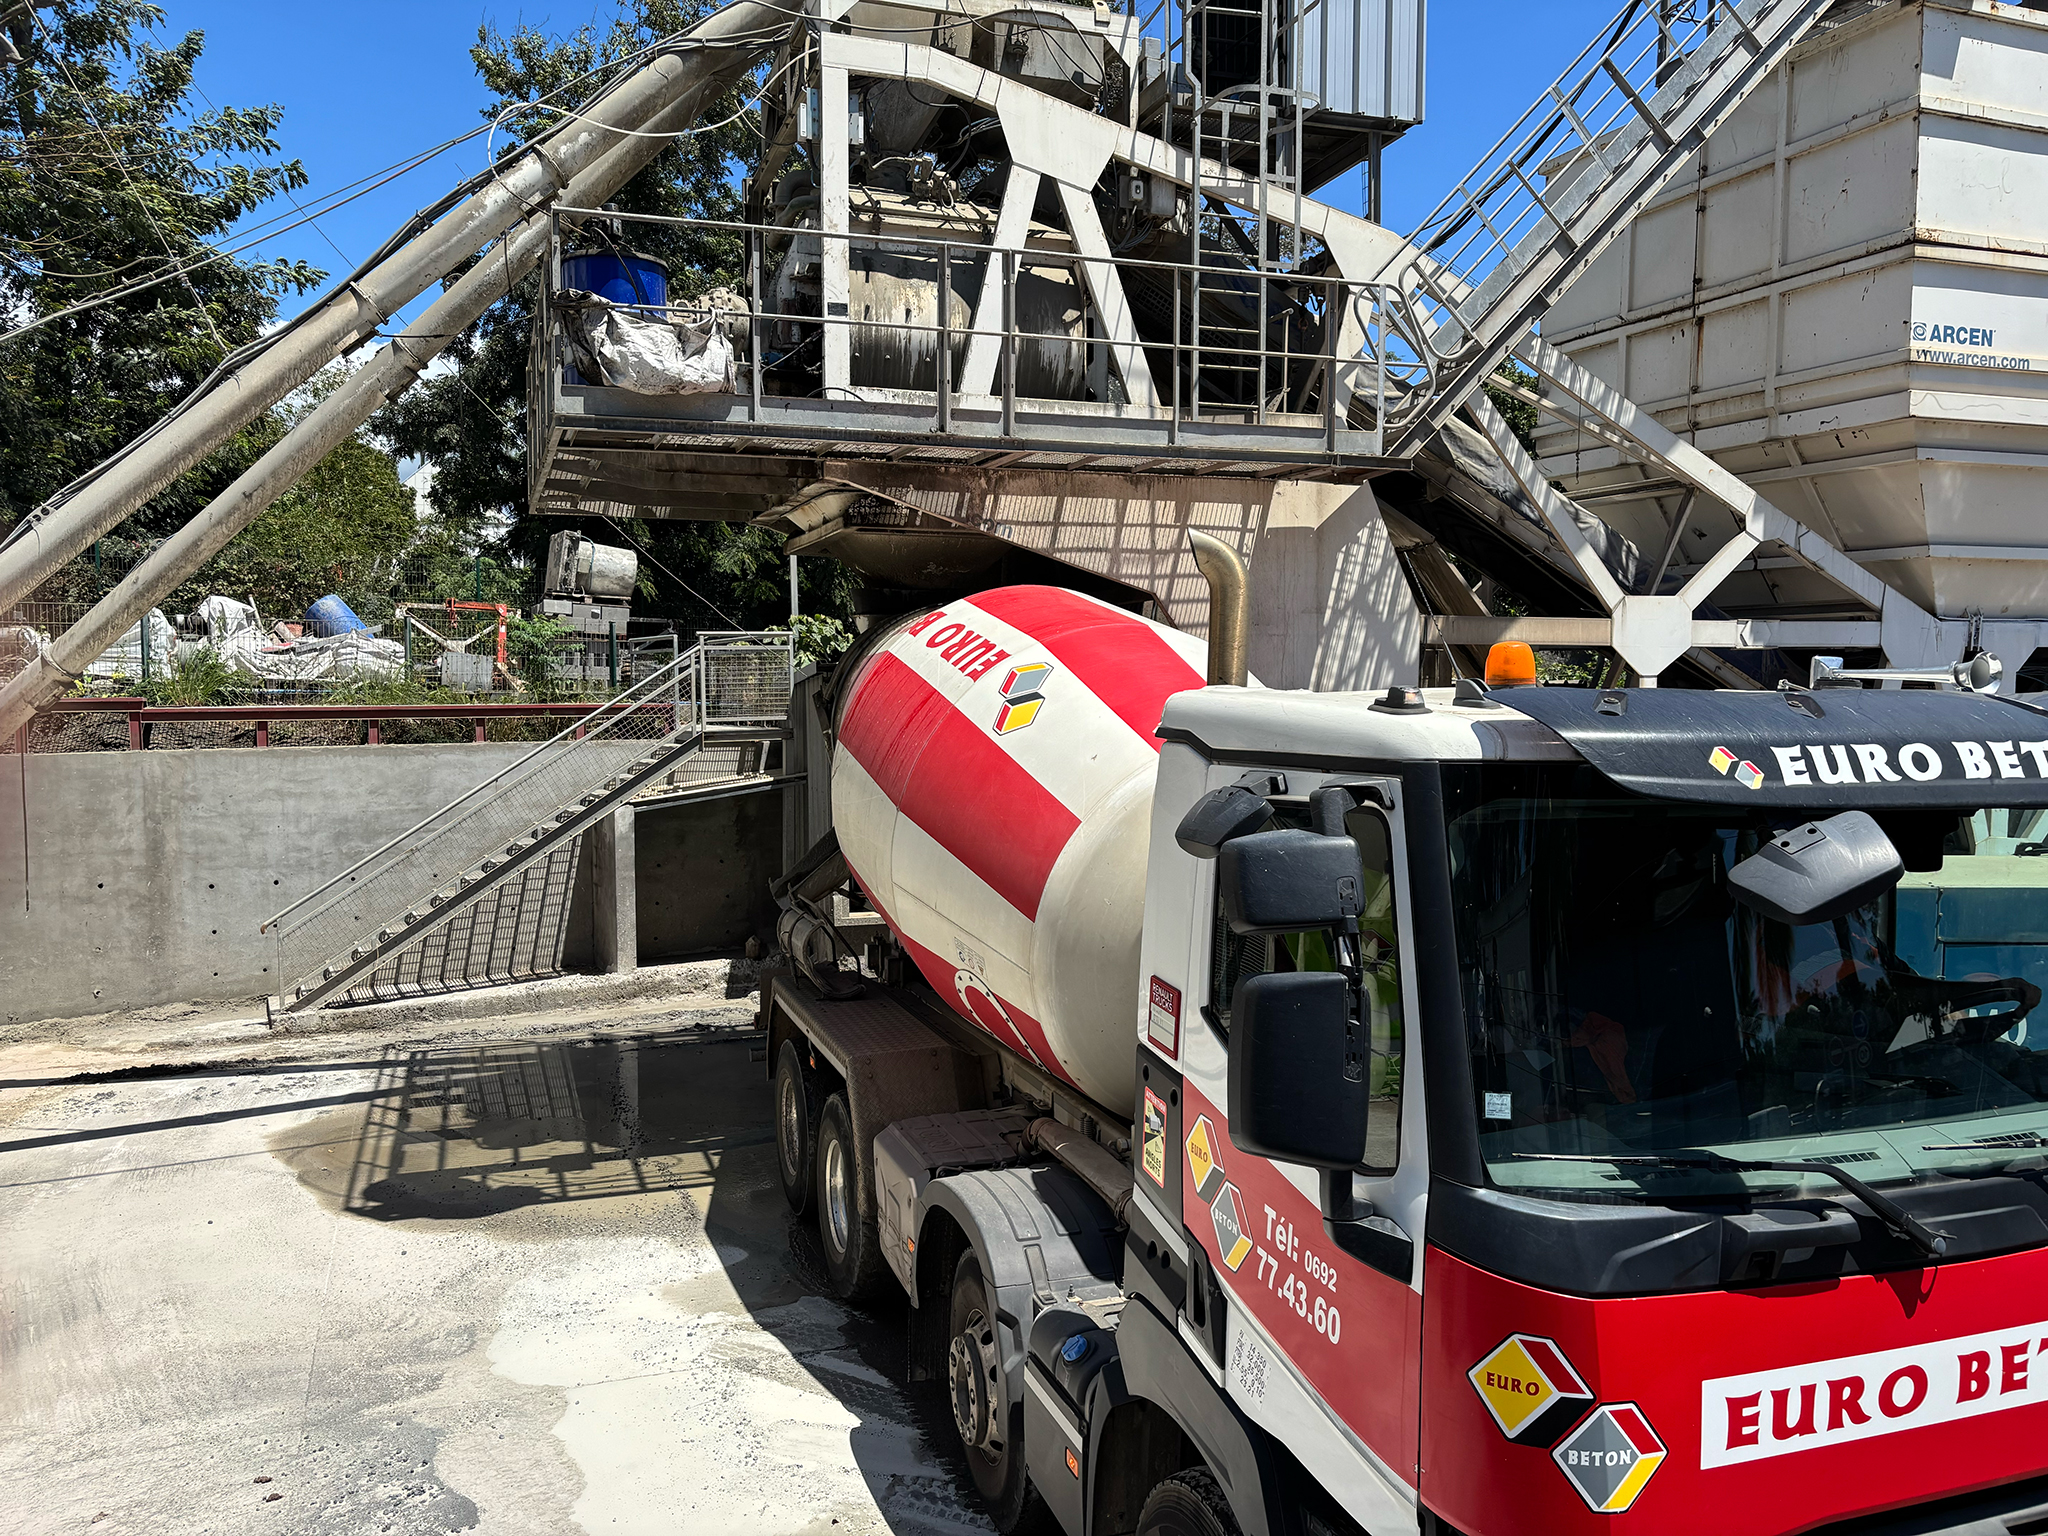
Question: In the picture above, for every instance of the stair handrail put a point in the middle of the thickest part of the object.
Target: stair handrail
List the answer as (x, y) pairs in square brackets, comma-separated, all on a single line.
[(578, 730), (606, 717)]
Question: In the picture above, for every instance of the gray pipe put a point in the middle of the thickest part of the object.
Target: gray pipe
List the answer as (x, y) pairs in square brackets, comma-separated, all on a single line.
[(1230, 609), (333, 421), (351, 314)]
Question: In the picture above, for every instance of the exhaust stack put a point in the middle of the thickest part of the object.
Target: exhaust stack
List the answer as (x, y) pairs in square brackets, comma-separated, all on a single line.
[(1229, 608)]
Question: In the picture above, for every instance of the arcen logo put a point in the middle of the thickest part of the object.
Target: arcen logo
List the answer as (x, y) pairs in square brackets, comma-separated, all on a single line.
[(1954, 335)]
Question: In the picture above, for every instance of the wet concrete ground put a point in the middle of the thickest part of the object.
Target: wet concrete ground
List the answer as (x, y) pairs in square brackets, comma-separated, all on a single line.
[(541, 1282)]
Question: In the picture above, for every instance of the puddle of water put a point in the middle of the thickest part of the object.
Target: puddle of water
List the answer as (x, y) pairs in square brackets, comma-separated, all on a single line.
[(463, 1133)]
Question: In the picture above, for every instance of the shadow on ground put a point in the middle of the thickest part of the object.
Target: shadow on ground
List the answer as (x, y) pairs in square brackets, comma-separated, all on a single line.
[(552, 1141)]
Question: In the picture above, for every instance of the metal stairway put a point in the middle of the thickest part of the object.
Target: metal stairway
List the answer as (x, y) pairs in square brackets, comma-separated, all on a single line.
[(728, 686), (1596, 148)]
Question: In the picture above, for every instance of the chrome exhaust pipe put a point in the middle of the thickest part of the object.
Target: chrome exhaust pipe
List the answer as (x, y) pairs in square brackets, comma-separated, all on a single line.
[(1230, 608)]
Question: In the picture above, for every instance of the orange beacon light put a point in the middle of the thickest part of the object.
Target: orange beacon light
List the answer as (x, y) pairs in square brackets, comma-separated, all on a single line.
[(1510, 664)]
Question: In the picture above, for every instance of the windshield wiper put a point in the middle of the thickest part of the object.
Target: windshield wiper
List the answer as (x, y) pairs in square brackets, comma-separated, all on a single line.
[(1901, 1222), (2011, 1141)]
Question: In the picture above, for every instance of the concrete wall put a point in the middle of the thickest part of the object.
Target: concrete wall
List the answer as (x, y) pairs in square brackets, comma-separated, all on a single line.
[(131, 879), (702, 874), (1331, 609), (134, 878)]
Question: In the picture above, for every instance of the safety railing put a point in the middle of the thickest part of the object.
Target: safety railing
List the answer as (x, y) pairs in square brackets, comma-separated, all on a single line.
[(1216, 342), (1629, 113), (730, 680), (118, 722)]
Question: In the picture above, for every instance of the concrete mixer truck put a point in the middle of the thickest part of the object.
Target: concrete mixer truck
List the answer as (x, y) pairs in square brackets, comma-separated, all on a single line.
[(1491, 1110)]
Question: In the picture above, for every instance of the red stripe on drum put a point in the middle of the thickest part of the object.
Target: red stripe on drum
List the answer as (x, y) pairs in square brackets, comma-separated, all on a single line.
[(958, 784), (974, 1001), (1118, 657)]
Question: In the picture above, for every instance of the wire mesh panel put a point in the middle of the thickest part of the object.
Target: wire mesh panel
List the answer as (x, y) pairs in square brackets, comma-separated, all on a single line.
[(747, 676), (520, 932)]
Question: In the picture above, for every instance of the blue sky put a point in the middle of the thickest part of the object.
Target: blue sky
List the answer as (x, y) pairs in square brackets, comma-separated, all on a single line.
[(371, 82)]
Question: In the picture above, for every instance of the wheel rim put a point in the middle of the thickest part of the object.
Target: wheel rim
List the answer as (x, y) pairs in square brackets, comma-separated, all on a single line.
[(791, 1127), (971, 1374), (838, 1217)]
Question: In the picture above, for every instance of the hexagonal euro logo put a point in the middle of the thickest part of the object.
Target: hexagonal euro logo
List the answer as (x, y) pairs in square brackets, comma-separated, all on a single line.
[(1530, 1389), (1611, 1457), (1204, 1165)]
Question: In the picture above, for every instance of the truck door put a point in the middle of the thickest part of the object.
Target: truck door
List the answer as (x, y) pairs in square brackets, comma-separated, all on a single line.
[(1321, 1331)]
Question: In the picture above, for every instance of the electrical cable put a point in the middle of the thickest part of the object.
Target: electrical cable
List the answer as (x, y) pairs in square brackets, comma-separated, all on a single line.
[(636, 133), (421, 220), (121, 164), (672, 576)]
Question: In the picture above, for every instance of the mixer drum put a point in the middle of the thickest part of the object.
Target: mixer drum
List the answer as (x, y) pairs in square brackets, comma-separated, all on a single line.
[(895, 301), (992, 792)]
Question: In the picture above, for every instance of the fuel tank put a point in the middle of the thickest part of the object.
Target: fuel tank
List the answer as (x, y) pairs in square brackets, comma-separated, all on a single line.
[(991, 786)]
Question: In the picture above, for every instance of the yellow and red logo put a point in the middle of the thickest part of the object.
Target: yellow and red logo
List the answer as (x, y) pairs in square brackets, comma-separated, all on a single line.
[(1747, 774), (1530, 1389), (1203, 1164), (1023, 693)]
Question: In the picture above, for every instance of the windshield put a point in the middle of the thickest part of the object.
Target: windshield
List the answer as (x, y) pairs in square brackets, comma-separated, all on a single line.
[(1619, 1003)]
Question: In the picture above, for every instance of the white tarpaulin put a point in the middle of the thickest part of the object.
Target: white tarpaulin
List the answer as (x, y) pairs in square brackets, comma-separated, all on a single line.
[(20, 644), (233, 632), (124, 657), (650, 357)]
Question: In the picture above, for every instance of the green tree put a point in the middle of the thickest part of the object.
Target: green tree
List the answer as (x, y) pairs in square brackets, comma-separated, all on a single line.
[(110, 182), (471, 422), (1519, 414), (345, 528)]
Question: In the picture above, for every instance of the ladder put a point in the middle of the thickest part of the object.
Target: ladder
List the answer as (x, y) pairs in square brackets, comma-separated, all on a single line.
[(728, 686), (1598, 146)]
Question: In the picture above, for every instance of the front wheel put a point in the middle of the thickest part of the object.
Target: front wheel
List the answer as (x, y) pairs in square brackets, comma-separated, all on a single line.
[(846, 1220), (991, 1432), (1187, 1504)]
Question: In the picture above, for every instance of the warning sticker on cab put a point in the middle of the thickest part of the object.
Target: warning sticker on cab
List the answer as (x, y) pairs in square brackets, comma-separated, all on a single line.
[(1152, 1155)]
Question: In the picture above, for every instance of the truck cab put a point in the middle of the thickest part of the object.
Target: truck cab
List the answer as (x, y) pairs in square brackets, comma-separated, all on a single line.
[(1666, 1214), (1554, 1110)]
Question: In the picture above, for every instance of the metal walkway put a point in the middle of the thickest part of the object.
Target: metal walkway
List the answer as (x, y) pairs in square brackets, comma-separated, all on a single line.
[(1596, 148), (726, 687)]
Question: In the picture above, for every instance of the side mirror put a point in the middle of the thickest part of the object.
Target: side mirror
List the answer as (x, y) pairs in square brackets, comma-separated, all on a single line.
[(1818, 871), (1286, 881), (1296, 1093)]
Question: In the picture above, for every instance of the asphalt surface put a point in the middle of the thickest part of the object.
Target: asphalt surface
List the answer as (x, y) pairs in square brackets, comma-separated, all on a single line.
[(522, 1275)]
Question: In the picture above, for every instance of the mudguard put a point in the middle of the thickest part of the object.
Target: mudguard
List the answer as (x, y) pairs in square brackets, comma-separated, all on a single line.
[(1043, 1238)]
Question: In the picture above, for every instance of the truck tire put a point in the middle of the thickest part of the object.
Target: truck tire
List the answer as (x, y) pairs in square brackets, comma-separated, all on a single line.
[(991, 1431), (1187, 1504), (846, 1220), (798, 1103)]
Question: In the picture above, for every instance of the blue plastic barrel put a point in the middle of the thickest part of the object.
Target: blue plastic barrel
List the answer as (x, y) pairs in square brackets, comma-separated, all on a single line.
[(331, 616), (610, 277)]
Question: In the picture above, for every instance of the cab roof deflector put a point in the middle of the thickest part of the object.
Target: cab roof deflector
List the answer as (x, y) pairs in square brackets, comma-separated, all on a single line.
[(1841, 747)]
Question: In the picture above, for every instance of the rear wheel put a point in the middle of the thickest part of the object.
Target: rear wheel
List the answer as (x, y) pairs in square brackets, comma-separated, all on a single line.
[(991, 1432), (846, 1219), (1187, 1504), (798, 1104)]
